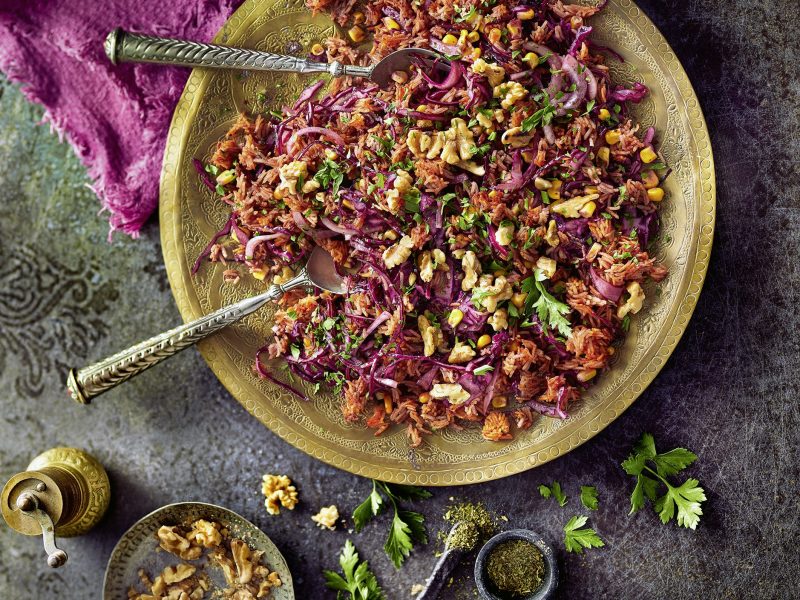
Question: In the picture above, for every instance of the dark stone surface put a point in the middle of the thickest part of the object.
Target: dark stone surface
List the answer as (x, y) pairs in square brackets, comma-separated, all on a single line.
[(729, 392)]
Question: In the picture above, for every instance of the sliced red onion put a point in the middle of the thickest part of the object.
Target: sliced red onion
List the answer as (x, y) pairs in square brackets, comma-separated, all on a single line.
[(250, 249), (608, 291), (338, 228), (570, 66), (453, 77), (549, 134), (447, 49), (328, 133)]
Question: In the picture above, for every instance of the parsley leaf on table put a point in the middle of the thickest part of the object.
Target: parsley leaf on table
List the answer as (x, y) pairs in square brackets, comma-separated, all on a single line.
[(358, 580), (367, 509), (576, 539), (407, 528), (589, 497), (554, 491), (687, 497)]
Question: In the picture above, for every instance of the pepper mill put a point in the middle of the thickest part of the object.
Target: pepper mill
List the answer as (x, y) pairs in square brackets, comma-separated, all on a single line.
[(64, 492)]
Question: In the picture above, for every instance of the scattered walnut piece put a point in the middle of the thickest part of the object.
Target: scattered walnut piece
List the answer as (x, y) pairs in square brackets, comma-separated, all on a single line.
[(174, 543), (205, 533), (327, 517), (279, 491)]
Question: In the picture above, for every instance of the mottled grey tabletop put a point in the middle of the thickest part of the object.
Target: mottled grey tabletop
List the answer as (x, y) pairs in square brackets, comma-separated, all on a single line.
[(730, 391)]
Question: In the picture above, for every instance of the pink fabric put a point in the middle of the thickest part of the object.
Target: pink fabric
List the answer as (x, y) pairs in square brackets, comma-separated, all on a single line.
[(116, 117)]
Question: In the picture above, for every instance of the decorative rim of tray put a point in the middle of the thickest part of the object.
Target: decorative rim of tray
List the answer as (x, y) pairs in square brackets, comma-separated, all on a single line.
[(189, 217)]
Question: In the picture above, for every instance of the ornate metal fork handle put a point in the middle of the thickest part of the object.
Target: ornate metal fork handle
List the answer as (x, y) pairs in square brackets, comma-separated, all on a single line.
[(86, 383), (121, 46)]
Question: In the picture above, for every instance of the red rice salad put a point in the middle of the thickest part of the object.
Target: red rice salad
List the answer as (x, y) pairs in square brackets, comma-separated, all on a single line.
[(494, 219)]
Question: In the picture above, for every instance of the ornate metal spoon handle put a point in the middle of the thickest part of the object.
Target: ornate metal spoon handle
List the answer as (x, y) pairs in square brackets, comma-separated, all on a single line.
[(86, 383), (121, 46)]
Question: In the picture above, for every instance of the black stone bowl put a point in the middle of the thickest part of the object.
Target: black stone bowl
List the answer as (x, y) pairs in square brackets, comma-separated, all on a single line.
[(549, 579)]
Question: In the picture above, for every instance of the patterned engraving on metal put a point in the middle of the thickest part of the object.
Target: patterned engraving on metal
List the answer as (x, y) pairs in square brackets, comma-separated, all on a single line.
[(189, 216)]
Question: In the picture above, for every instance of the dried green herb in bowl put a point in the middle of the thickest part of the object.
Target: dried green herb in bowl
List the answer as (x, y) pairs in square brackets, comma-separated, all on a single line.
[(516, 567)]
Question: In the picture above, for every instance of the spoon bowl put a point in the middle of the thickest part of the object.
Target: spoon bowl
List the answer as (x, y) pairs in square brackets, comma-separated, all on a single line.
[(401, 60), (321, 271)]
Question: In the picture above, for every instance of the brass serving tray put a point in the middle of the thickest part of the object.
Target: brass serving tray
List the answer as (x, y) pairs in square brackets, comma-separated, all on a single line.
[(190, 215)]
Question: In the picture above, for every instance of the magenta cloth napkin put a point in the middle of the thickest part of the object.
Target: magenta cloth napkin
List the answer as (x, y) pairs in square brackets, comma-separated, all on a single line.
[(116, 117)]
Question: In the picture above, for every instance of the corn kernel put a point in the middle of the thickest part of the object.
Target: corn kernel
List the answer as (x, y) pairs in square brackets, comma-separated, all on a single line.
[(586, 375), (484, 341), (494, 194), (279, 194), (347, 204), (450, 39), (226, 177), (356, 34), (331, 154), (499, 402), (587, 210), (387, 403), (655, 194), (540, 183), (359, 17), (473, 36), (526, 15), (412, 278), (647, 155), (555, 189), (455, 317), (604, 114), (391, 23), (604, 155), (494, 35), (462, 38), (532, 59), (259, 274), (612, 137), (518, 300), (424, 398), (476, 53), (650, 179), (317, 49), (390, 235), (513, 29)]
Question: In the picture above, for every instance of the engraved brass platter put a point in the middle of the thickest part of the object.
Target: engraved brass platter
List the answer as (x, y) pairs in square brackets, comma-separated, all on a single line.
[(190, 215)]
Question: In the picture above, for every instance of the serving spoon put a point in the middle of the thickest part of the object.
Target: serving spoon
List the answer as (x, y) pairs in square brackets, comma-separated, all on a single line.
[(84, 384), (123, 46)]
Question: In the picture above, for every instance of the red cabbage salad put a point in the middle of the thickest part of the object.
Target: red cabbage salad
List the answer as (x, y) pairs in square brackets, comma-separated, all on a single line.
[(493, 218)]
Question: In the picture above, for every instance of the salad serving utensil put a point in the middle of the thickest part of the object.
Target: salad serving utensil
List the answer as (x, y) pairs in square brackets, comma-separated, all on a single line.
[(123, 46), (84, 384)]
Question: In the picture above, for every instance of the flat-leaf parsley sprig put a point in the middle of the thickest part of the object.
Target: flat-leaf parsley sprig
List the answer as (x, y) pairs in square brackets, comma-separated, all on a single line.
[(577, 537), (407, 528), (687, 497), (356, 579)]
